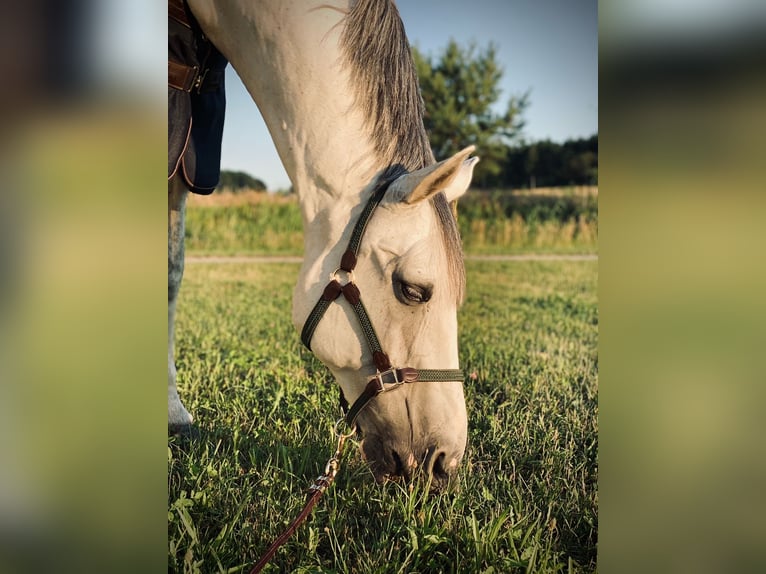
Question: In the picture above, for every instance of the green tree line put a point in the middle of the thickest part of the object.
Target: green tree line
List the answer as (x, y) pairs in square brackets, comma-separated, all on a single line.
[(240, 180), (550, 164)]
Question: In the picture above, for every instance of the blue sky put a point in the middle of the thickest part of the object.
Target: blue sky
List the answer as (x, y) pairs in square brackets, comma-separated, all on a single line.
[(549, 47)]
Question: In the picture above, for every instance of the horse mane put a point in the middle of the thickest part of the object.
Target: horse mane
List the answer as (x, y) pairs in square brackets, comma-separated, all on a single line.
[(386, 87)]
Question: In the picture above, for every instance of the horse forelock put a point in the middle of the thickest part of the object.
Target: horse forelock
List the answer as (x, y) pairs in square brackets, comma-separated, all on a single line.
[(386, 89)]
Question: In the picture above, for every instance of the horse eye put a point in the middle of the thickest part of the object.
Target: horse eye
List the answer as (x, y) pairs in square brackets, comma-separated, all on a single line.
[(414, 293)]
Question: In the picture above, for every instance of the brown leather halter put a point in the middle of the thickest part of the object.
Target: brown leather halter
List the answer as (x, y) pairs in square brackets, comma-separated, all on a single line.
[(387, 377)]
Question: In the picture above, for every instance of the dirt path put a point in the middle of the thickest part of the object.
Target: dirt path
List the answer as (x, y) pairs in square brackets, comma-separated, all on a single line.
[(296, 259)]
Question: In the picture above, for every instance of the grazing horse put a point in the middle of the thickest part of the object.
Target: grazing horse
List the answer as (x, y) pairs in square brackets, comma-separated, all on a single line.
[(336, 85)]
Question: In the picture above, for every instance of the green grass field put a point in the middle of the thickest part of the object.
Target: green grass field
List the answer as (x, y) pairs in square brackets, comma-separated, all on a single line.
[(527, 496)]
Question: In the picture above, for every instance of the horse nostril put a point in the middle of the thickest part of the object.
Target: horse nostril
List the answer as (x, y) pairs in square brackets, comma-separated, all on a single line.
[(438, 468), (402, 467), (398, 465)]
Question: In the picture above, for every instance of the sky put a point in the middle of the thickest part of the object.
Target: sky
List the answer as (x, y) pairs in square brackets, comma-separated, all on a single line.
[(547, 47)]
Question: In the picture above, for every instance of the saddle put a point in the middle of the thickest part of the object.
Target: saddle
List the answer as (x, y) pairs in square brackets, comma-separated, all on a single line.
[(196, 101)]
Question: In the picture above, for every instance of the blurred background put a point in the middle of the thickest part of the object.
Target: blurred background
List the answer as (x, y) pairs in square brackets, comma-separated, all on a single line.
[(682, 274), (680, 243), (82, 296)]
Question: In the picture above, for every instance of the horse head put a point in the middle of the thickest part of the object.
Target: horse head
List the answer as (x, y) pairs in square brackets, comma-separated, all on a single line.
[(409, 277)]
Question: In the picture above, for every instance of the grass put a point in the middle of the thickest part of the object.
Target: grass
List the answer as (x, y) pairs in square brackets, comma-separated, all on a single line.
[(551, 220), (526, 501), (269, 226), (563, 220)]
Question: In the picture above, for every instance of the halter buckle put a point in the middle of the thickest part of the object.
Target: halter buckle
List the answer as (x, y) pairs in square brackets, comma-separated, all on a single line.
[(384, 381)]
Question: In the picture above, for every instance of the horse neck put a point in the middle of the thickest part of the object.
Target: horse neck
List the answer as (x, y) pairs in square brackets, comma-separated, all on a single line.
[(288, 55)]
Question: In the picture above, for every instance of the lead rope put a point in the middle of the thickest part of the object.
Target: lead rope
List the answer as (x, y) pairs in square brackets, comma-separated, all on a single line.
[(332, 292), (314, 493)]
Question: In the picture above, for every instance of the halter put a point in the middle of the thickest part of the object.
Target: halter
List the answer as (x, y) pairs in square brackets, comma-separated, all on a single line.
[(387, 377)]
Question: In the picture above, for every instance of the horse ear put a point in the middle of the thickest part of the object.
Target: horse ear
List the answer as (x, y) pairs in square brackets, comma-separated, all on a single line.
[(452, 176)]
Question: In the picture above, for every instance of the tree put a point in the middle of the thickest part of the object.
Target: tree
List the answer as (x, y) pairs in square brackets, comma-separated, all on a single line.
[(459, 88), (546, 163), (239, 180)]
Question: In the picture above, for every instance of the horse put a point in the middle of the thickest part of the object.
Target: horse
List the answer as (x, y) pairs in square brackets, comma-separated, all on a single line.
[(337, 88)]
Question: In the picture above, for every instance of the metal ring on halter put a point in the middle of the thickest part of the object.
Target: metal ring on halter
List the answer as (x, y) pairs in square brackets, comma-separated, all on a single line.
[(336, 429), (349, 276)]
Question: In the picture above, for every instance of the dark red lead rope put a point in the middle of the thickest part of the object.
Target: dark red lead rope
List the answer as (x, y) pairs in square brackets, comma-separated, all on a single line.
[(315, 491)]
